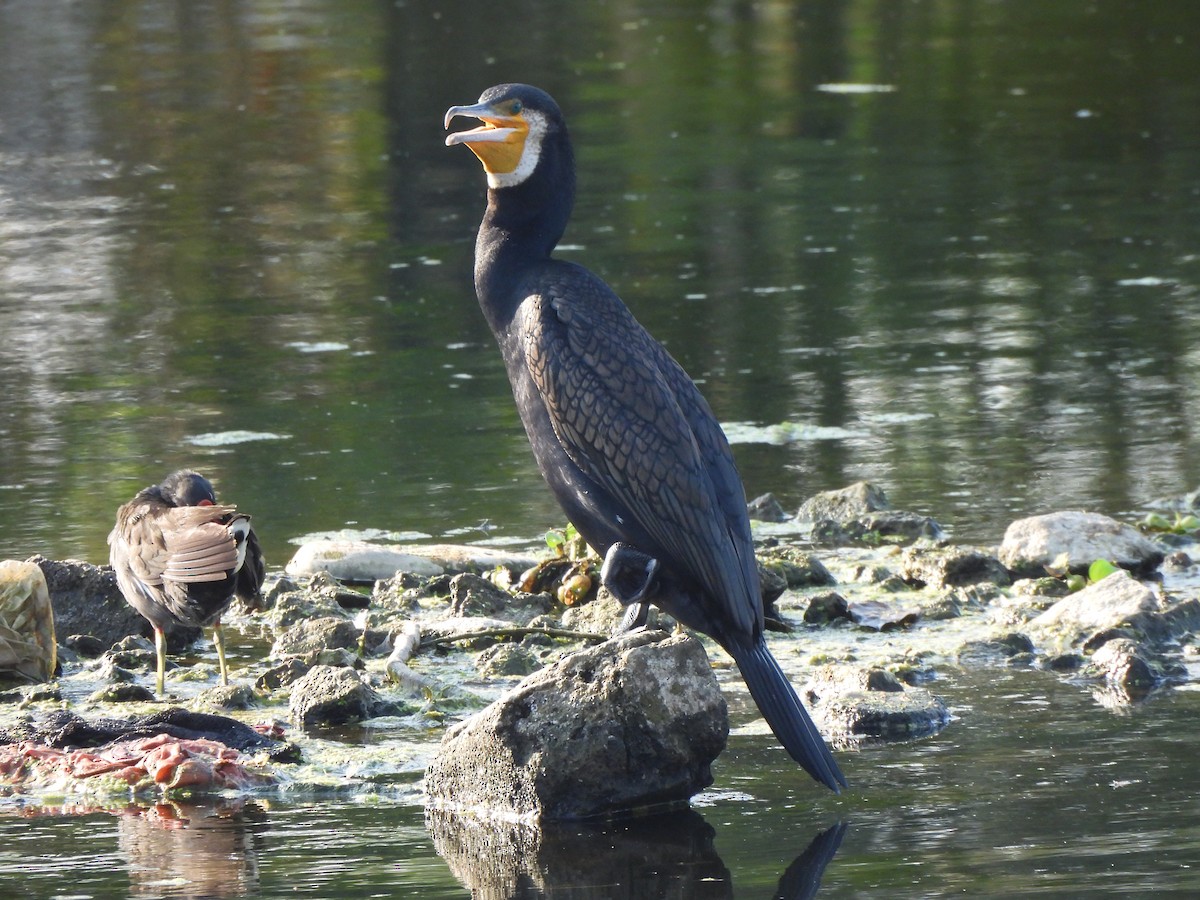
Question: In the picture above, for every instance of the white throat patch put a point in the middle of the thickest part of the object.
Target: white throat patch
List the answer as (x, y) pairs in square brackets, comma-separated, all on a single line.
[(530, 154)]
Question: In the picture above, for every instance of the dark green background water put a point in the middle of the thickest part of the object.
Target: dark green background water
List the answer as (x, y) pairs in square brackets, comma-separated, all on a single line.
[(956, 243)]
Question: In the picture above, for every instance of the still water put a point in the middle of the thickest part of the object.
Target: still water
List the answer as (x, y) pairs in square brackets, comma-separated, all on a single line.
[(953, 246)]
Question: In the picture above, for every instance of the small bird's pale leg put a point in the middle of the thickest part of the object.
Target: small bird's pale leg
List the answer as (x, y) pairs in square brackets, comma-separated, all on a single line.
[(219, 641), (160, 650)]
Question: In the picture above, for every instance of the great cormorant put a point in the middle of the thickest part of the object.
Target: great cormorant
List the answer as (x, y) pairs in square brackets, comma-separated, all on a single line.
[(622, 436), (180, 558)]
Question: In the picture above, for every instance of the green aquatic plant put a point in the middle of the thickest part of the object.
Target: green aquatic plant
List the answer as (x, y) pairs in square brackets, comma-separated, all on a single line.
[(1183, 523), (1097, 571), (566, 542)]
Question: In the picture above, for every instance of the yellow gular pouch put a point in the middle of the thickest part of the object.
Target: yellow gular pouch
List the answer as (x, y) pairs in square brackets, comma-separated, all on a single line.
[(499, 143)]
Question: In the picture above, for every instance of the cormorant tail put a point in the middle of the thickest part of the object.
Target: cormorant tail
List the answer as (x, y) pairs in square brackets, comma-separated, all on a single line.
[(786, 715)]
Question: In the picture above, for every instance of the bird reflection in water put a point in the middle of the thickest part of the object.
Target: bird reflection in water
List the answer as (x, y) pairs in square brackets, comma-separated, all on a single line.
[(671, 854), (192, 851)]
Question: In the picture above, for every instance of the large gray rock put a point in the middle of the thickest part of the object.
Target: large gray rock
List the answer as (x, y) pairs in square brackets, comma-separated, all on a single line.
[(1032, 544), (86, 600), (1118, 601), (632, 723)]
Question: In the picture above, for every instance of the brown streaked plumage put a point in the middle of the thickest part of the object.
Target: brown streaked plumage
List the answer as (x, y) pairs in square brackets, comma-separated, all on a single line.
[(180, 558)]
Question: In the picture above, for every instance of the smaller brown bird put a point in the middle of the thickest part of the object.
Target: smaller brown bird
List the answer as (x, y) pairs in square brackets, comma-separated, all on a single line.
[(180, 558)]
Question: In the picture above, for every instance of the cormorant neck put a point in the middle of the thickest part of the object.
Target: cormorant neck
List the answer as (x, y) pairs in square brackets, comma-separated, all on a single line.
[(520, 229)]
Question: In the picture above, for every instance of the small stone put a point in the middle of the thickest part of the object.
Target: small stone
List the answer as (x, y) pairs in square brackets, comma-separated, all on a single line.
[(471, 595), (1177, 561), (876, 528), (328, 696), (1005, 649), (122, 692), (601, 616), (766, 508), (844, 504), (506, 660), (826, 607), (316, 635), (1046, 586), (1064, 662), (853, 701), (231, 696), (285, 673), (86, 599), (772, 583), (87, 646), (298, 606), (1123, 666), (113, 673), (943, 567)]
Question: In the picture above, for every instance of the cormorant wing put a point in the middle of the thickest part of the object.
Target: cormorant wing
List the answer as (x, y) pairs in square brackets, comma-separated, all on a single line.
[(629, 417)]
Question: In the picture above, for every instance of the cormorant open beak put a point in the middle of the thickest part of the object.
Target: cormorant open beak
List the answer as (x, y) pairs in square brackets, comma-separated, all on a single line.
[(498, 142)]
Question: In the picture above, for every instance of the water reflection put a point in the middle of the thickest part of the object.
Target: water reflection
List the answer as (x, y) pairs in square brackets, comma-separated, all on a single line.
[(671, 854), (191, 851), (179, 849), (983, 277)]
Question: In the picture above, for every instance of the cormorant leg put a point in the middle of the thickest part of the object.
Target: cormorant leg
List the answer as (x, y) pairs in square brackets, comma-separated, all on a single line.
[(219, 642), (629, 574), (635, 617), (160, 651)]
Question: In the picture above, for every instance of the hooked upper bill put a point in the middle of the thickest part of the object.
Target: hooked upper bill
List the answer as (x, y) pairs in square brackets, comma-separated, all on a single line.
[(500, 141)]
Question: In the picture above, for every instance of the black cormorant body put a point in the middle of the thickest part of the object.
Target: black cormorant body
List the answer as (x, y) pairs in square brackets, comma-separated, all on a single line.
[(180, 558), (621, 434)]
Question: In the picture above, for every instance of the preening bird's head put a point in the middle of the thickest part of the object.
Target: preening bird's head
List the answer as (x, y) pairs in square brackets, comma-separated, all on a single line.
[(517, 120), (187, 488)]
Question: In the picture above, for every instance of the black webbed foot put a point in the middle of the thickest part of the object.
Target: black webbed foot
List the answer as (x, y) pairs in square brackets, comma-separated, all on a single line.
[(629, 576), (628, 573), (634, 618)]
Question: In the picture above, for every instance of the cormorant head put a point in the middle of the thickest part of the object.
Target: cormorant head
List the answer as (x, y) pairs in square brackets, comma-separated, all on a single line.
[(187, 488), (517, 120)]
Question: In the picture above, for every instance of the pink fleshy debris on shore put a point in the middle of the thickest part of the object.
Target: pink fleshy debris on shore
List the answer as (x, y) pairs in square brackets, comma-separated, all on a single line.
[(162, 760)]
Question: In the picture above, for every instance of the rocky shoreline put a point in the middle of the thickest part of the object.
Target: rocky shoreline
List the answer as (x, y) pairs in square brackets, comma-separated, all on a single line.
[(870, 608)]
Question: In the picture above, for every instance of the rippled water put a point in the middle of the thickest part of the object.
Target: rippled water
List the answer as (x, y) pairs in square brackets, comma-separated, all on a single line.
[(950, 247), (1032, 790)]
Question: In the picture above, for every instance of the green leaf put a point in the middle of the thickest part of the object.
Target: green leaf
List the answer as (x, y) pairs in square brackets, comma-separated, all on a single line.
[(1100, 569)]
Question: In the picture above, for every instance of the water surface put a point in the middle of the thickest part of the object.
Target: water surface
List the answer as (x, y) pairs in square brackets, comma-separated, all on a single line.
[(953, 246)]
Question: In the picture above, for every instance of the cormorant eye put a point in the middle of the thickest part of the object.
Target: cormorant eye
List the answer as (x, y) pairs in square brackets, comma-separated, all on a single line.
[(515, 107)]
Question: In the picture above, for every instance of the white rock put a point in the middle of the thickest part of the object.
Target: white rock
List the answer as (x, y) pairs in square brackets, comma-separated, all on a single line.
[(359, 561), (1033, 543)]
